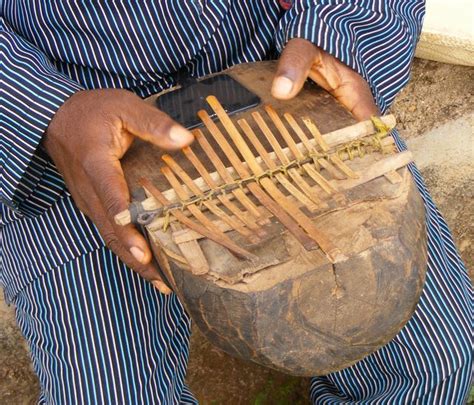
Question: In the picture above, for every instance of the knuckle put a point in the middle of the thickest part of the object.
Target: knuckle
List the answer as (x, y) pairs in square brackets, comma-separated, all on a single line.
[(112, 242), (140, 269), (159, 123), (297, 53), (91, 165), (143, 271), (110, 203)]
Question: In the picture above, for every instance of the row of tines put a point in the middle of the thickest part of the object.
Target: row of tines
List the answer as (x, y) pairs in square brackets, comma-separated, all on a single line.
[(263, 179)]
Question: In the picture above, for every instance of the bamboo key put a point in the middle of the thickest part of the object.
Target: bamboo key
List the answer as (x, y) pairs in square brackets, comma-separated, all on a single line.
[(245, 216), (332, 252), (316, 176), (222, 170), (378, 169), (334, 139), (253, 187), (310, 170), (324, 147), (295, 192), (321, 181), (293, 173), (311, 149), (210, 205), (217, 235), (193, 225)]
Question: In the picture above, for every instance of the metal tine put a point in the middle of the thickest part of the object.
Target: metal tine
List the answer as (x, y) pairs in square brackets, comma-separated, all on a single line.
[(346, 170), (331, 251), (222, 170), (293, 173), (217, 235), (246, 217), (210, 205), (253, 187), (295, 192), (318, 178)]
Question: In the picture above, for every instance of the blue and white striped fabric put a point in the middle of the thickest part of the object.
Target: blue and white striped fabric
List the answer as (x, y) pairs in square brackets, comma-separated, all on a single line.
[(123, 344), (98, 333), (430, 361)]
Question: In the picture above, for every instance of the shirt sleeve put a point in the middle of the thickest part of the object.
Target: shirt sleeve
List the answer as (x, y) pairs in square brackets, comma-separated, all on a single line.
[(31, 91), (376, 38)]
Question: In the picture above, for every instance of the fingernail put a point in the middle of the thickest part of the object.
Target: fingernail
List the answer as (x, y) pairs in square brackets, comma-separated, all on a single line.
[(137, 253), (161, 287), (282, 86), (180, 136)]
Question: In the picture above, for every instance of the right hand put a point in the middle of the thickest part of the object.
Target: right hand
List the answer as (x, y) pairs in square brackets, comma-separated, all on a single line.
[(301, 59), (86, 139)]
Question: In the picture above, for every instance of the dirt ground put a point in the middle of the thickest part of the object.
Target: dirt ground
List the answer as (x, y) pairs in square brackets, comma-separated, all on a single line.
[(437, 94)]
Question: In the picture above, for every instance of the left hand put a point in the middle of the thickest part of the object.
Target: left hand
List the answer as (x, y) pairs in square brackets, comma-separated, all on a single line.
[(301, 59), (86, 139)]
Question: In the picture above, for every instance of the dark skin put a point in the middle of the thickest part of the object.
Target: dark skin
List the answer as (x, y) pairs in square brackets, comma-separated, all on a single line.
[(91, 132)]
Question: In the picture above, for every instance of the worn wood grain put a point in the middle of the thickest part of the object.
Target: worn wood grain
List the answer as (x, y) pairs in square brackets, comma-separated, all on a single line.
[(291, 309)]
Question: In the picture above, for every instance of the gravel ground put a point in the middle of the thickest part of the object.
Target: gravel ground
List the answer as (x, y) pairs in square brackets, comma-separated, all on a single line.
[(437, 94)]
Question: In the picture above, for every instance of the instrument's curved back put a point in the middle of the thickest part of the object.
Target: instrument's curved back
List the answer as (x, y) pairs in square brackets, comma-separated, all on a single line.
[(301, 252)]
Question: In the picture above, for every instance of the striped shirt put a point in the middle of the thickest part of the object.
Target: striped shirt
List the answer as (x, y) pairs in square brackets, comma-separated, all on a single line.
[(52, 49)]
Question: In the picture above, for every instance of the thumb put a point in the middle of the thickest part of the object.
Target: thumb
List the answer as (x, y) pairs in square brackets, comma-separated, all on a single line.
[(293, 68), (152, 125)]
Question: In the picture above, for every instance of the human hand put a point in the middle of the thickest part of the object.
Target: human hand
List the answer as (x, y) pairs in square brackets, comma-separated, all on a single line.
[(86, 139), (301, 59)]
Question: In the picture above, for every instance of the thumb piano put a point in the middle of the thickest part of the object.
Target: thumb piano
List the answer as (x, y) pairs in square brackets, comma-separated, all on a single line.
[(293, 235)]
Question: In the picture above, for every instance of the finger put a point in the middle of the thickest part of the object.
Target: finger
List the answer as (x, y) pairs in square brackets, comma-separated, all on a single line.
[(346, 85), (364, 108), (326, 72), (152, 125), (113, 195), (112, 239), (148, 271), (353, 93), (293, 68), (359, 100)]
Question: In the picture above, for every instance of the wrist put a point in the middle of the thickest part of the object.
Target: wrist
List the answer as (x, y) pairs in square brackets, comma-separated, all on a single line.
[(57, 124)]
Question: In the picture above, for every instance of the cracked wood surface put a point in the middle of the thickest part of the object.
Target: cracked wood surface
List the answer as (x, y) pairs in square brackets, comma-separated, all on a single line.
[(291, 309)]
